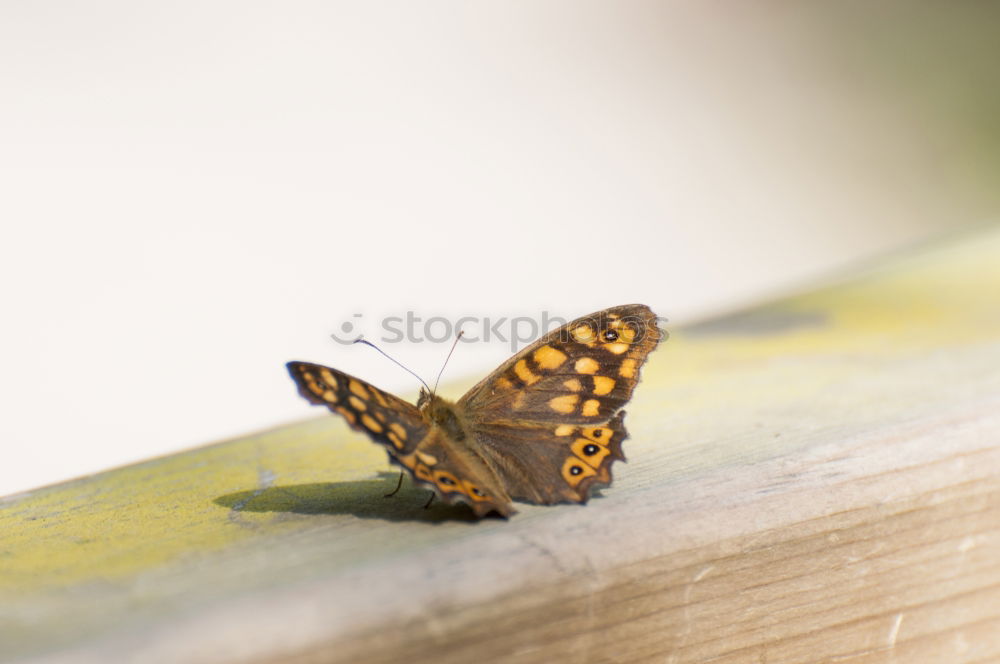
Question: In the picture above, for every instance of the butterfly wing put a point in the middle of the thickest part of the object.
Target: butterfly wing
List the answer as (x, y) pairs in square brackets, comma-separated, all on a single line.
[(387, 420), (456, 474), (549, 420), (431, 458)]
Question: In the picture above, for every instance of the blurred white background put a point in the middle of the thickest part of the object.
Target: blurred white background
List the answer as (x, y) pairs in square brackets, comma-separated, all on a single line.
[(194, 193)]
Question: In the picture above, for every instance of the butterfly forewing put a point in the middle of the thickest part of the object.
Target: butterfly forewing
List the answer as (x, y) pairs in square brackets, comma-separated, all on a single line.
[(544, 464), (582, 372), (386, 419)]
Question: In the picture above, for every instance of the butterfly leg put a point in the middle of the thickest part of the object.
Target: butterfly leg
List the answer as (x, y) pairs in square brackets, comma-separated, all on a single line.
[(430, 500), (398, 486)]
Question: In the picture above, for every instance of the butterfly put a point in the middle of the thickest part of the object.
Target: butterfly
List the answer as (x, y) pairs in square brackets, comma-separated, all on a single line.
[(545, 427)]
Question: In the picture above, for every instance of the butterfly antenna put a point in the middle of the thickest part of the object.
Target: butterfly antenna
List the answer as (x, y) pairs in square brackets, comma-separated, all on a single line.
[(362, 340), (457, 337)]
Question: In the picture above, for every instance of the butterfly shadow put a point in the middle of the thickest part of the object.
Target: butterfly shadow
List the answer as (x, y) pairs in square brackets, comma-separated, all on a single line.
[(365, 499)]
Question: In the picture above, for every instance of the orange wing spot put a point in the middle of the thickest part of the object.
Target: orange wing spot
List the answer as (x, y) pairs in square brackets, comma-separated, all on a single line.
[(422, 472), (409, 461), (600, 435), (590, 408), (358, 389), (590, 452), (398, 428), (524, 373), (348, 415), (573, 384), (616, 348), (313, 384), (627, 369), (504, 383), (357, 403), (378, 397), (565, 430), (603, 385), (380, 416), (584, 334), (330, 379), (565, 404), (330, 396), (586, 365), (518, 400), (427, 458), (370, 423), (394, 439), (575, 471), (548, 357)]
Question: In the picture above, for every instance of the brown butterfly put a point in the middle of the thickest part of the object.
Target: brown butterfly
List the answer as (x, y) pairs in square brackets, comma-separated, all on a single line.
[(544, 427)]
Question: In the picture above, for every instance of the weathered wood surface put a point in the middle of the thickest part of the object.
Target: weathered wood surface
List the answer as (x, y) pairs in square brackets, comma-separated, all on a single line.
[(816, 480)]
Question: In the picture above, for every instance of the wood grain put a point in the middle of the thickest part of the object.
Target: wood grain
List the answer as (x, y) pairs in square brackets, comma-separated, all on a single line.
[(813, 480)]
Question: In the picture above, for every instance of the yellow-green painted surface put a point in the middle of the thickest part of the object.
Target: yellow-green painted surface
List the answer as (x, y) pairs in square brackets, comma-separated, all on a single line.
[(125, 550)]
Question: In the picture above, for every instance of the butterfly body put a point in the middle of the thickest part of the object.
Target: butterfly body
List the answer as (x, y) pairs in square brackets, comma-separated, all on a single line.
[(544, 427)]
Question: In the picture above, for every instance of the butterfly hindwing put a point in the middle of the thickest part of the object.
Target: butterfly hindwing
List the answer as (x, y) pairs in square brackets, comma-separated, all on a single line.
[(572, 458), (386, 419), (455, 473)]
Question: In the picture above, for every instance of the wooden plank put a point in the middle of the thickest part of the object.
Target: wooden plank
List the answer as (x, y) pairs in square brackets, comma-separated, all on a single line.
[(817, 479)]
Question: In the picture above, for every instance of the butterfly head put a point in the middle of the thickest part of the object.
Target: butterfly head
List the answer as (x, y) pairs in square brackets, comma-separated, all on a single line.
[(442, 413), (423, 399)]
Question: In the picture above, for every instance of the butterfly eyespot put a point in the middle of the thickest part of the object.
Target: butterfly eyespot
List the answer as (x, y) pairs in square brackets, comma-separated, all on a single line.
[(575, 470), (610, 335), (447, 481), (474, 492), (590, 453)]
